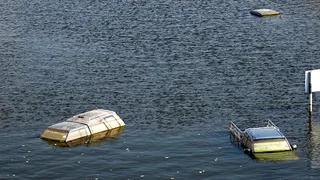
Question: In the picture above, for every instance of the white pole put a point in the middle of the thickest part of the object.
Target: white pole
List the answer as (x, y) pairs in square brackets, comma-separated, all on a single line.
[(310, 102)]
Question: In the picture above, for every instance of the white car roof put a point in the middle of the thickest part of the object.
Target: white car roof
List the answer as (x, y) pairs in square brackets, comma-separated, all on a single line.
[(85, 118)]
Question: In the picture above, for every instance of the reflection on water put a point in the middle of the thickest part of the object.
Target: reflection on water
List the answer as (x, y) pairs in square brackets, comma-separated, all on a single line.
[(93, 140), (314, 145), (234, 140), (276, 156)]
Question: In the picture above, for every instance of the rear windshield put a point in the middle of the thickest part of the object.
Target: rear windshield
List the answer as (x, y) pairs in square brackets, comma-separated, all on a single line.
[(271, 145), (54, 134)]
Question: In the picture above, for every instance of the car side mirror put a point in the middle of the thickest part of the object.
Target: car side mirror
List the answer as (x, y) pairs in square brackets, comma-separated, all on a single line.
[(294, 146)]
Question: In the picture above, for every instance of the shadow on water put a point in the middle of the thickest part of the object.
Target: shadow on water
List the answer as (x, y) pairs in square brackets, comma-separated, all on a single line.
[(90, 141)]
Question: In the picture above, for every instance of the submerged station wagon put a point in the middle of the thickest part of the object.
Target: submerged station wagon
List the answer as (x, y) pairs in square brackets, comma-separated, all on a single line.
[(261, 139), (83, 125)]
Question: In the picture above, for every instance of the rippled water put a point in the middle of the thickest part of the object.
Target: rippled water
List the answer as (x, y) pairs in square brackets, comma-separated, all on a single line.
[(176, 71)]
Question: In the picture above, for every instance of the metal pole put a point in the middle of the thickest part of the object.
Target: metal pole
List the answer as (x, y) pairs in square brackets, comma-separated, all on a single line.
[(310, 104), (310, 95)]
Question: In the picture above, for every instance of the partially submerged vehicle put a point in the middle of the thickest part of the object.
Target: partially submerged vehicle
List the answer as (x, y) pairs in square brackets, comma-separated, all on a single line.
[(261, 139), (83, 125), (90, 141), (264, 12)]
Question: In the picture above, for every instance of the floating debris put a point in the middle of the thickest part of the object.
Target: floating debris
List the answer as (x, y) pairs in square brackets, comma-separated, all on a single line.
[(202, 171)]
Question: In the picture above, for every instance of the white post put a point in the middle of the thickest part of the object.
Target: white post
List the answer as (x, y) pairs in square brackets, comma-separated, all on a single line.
[(308, 89), (312, 84), (310, 103)]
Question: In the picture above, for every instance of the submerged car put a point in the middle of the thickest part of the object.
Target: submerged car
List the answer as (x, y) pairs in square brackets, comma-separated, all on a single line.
[(265, 12), (261, 139), (90, 141), (83, 125)]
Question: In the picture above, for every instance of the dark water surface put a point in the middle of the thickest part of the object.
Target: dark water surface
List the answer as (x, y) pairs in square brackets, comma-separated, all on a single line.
[(176, 71)]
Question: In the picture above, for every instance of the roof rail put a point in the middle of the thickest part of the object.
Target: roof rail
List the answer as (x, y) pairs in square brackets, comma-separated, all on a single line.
[(271, 124), (235, 130)]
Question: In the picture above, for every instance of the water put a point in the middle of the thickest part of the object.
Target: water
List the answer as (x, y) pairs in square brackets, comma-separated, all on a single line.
[(176, 71)]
